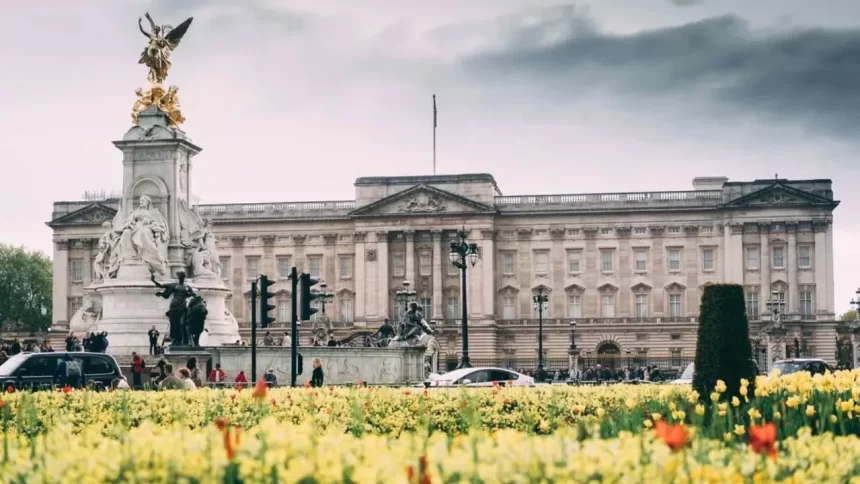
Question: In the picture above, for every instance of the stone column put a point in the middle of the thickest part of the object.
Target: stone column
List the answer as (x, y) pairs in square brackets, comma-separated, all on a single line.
[(764, 266), (776, 338), (60, 284), (410, 257), (855, 348), (735, 259), (828, 302), (440, 258), (488, 260), (475, 279), (88, 245), (821, 269), (236, 281), (361, 292), (382, 276), (793, 289), (268, 265)]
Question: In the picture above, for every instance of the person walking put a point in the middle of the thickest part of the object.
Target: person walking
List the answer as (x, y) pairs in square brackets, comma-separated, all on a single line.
[(194, 372), (137, 367), (69, 372), (171, 381), (317, 374), (217, 375)]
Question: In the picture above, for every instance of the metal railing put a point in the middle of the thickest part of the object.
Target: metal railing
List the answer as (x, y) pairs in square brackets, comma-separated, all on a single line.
[(615, 362)]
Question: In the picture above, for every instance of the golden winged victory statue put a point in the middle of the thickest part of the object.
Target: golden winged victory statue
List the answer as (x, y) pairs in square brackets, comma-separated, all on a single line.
[(163, 40)]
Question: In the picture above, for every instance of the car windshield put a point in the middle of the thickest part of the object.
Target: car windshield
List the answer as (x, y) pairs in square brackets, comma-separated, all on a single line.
[(788, 367), (12, 364), (688, 372)]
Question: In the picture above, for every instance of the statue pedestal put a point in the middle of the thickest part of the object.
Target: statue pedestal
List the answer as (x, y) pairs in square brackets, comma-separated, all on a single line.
[(130, 309)]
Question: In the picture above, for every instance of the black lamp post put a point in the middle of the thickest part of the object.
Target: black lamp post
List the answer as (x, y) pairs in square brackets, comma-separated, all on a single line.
[(405, 295), (540, 304), (461, 252), (325, 297), (855, 305), (776, 304)]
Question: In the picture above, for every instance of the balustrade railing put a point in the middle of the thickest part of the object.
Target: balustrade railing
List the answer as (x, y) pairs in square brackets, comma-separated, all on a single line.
[(285, 207), (699, 196)]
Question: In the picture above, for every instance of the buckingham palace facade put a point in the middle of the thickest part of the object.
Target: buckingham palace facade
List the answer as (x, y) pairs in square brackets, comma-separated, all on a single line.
[(628, 269)]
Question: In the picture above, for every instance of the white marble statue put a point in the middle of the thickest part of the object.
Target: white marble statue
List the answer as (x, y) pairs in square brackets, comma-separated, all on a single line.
[(196, 236), (106, 262), (144, 236)]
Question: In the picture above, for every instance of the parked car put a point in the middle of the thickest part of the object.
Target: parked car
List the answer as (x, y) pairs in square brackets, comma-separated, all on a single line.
[(815, 366), (37, 370), (480, 377)]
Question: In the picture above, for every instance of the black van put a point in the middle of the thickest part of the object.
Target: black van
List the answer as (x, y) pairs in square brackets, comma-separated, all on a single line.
[(37, 370)]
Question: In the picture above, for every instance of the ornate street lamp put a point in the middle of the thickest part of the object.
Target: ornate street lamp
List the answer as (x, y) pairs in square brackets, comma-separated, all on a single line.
[(461, 252), (541, 302), (776, 304), (325, 297), (405, 295), (855, 305)]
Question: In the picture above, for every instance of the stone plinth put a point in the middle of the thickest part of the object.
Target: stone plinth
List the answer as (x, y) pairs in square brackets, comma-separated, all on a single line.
[(340, 365), (130, 308)]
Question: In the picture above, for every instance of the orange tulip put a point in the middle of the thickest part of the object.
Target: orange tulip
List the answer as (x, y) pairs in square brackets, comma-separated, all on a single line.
[(261, 389), (675, 436), (763, 439)]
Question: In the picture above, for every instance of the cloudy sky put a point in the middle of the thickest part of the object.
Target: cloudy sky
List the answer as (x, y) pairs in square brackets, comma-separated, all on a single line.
[(294, 99)]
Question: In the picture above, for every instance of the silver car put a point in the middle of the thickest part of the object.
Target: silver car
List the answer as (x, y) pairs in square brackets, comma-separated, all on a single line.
[(480, 377)]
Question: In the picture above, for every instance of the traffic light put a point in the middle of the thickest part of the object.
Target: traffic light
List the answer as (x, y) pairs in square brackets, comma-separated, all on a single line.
[(307, 283), (265, 307)]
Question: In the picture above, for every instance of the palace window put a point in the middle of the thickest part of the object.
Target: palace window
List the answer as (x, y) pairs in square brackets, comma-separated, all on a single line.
[(424, 266), (225, 267), (426, 306), (675, 306), (752, 259), (676, 357), (315, 266), (804, 256), (284, 267), (573, 261), (806, 307), (752, 303), (674, 260), (707, 260), (509, 307), (77, 270), (345, 262), (640, 230), (398, 264), (346, 309), (283, 311), (252, 267), (778, 253), (574, 306), (452, 307), (535, 314), (541, 263), (606, 259), (507, 263), (640, 257), (607, 306), (641, 309)]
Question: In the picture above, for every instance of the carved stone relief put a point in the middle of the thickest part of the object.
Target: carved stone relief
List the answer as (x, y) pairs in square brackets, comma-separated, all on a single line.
[(359, 237), (370, 255), (422, 203)]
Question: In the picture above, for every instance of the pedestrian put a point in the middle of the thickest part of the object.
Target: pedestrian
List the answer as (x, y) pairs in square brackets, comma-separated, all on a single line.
[(194, 372), (287, 340), (317, 375), (187, 381), (159, 373), (171, 381), (217, 375), (153, 341), (137, 367), (241, 380), (69, 372), (271, 379)]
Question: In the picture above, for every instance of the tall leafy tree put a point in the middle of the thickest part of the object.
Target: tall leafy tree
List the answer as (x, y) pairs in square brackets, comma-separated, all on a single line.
[(25, 288)]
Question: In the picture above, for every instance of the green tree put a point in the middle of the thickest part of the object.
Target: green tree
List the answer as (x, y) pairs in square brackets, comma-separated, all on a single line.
[(848, 316), (723, 350), (25, 288)]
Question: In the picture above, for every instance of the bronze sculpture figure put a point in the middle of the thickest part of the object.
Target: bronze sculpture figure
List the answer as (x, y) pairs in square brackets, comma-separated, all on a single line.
[(163, 39)]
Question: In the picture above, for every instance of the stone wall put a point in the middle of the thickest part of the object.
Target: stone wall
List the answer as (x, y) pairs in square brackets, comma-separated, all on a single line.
[(340, 365)]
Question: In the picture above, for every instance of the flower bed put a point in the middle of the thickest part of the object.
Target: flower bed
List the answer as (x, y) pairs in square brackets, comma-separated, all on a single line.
[(796, 428)]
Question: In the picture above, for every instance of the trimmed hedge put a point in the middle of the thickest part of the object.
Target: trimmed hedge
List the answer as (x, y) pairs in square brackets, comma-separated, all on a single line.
[(723, 350)]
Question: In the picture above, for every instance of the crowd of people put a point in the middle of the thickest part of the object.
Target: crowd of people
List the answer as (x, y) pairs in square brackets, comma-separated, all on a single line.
[(16, 346), (91, 342), (602, 374)]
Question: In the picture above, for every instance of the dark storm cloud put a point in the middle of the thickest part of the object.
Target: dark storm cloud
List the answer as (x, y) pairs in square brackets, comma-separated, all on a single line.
[(806, 75)]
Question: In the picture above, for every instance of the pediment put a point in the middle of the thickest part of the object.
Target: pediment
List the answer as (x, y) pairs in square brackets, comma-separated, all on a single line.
[(422, 200), (607, 288), (509, 289), (93, 214), (344, 292), (574, 289), (540, 288), (780, 195), (641, 287), (675, 286)]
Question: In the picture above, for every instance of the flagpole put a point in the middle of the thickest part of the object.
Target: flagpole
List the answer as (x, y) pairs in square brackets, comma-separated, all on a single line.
[(434, 134)]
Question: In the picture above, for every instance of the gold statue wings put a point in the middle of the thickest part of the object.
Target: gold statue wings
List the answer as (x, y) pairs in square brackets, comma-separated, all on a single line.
[(163, 40)]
